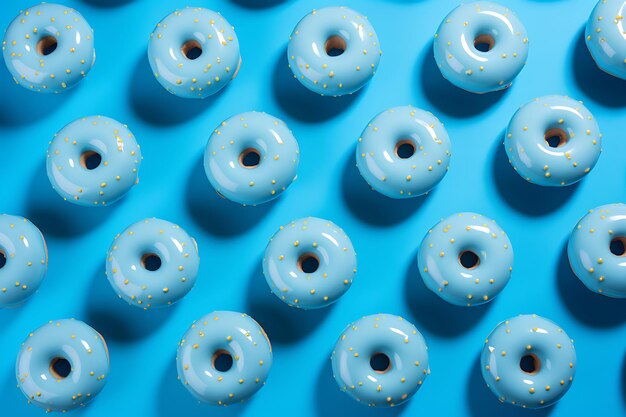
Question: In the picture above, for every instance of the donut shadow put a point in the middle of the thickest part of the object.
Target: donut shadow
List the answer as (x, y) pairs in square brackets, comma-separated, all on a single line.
[(586, 306), (623, 381), (601, 87), (218, 215), (258, 4)]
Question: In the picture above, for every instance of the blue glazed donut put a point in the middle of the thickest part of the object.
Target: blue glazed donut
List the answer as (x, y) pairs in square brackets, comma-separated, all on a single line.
[(528, 361), (62, 365), (466, 259), (49, 48), (553, 141), (403, 152), (309, 263), (596, 250), (194, 52), (93, 161), (153, 263), (224, 358), (23, 260), (380, 360), (605, 35), (334, 51), (251, 158), (481, 47)]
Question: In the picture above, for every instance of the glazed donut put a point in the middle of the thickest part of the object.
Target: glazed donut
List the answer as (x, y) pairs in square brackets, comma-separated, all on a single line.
[(62, 365), (153, 263), (194, 52), (334, 51), (553, 141), (605, 36), (481, 47), (466, 259), (23, 260), (596, 250), (528, 361), (251, 158), (380, 360), (49, 48), (309, 263), (403, 152), (93, 161), (224, 358)]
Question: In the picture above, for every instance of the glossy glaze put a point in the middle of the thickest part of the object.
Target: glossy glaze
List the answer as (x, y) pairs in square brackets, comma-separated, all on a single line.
[(605, 35), (184, 74), (71, 340), (25, 42), (303, 239), (381, 163), (133, 276), (385, 334), (330, 28), (23, 260), (589, 250), (231, 333), (541, 339), (256, 132), (469, 68), (530, 153)]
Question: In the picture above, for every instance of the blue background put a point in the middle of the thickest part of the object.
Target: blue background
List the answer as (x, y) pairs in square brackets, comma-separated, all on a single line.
[(386, 233)]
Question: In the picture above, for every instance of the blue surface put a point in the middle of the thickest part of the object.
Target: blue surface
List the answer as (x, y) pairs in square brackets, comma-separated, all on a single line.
[(385, 233)]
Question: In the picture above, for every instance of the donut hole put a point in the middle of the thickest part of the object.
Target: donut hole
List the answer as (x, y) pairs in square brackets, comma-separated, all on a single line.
[(555, 137), (222, 361), (191, 49), (308, 263), (250, 158), (484, 43), (380, 363), (90, 160), (46, 45), (3, 259), (60, 368), (530, 364), (405, 149), (335, 45), (469, 259), (617, 246), (151, 262)]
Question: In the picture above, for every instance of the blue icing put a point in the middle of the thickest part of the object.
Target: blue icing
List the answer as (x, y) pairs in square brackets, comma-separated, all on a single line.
[(471, 26), (466, 259), (605, 35), (70, 341), (528, 361), (375, 337), (316, 41), (380, 157), (29, 43), (227, 161), (553, 141), (213, 337), (175, 44), (309, 263), (152, 263)]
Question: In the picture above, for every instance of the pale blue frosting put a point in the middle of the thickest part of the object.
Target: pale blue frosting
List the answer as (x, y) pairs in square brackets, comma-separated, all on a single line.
[(28, 41), (605, 35), (393, 337), (316, 34), (69, 340), (389, 171), (76, 145), (309, 238), (574, 155), (474, 70), (186, 75), (545, 345)]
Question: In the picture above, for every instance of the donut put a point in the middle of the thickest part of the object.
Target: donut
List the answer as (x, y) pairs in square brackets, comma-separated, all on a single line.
[(596, 250), (466, 259), (194, 52), (553, 141), (153, 263), (380, 360), (93, 161), (403, 152), (605, 35), (49, 48), (251, 158), (62, 365), (23, 260), (334, 51), (309, 263), (224, 358), (528, 361), (481, 47)]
